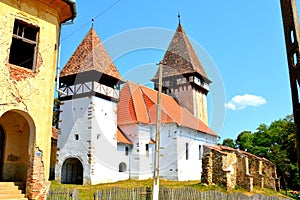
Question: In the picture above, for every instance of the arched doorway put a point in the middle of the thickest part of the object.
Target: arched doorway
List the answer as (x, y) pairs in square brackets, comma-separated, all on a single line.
[(2, 142), (15, 134), (72, 172)]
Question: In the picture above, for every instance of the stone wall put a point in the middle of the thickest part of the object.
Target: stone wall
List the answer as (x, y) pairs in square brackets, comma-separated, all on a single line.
[(231, 167)]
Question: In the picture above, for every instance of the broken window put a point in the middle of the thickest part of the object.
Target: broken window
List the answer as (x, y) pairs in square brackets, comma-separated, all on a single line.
[(23, 50)]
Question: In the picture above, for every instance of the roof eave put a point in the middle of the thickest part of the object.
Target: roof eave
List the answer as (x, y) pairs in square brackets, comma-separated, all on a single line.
[(72, 6)]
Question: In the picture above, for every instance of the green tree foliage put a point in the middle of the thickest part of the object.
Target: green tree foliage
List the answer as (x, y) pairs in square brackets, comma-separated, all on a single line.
[(228, 142), (244, 141), (277, 143), (56, 108)]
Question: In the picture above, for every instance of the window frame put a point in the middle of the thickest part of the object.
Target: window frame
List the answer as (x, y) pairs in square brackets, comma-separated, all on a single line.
[(19, 35)]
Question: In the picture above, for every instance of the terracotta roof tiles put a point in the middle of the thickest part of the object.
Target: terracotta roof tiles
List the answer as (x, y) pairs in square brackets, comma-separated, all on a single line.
[(180, 58), (121, 137), (54, 133), (138, 104), (90, 55)]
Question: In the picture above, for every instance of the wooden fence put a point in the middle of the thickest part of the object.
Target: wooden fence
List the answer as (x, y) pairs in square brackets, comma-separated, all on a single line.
[(62, 194), (145, 193)]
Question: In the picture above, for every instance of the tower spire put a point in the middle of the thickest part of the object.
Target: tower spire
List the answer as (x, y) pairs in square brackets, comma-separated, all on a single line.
[(93, 22), (178, 17)]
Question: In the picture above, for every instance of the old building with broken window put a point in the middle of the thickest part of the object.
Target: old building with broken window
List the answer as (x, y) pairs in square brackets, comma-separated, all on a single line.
[(29, 37)]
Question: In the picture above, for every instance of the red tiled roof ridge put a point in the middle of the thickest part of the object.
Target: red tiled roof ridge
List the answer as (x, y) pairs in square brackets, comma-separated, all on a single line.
[(139, 98), (90, 55), (201, 126), (122, 137), (155, 101)]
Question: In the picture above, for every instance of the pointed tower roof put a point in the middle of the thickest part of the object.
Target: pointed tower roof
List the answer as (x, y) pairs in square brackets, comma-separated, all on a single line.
[(180, 58), (90, 55)]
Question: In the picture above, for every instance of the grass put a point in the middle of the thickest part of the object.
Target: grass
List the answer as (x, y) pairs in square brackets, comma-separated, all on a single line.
[(86, 192)]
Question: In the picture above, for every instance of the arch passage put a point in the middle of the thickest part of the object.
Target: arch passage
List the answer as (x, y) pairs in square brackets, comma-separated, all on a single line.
[(14, 149), (72, 171)]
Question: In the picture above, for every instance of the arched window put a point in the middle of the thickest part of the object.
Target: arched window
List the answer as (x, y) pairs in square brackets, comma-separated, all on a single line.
[(122, 167)]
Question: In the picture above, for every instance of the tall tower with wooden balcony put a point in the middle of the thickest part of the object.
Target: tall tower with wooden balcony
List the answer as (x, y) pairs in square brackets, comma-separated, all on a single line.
[(90, 84), (184, 76), (29, 37)]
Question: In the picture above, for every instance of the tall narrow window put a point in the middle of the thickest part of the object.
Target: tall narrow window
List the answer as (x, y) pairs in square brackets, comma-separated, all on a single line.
[(147, 150), (23, 48), (200, 153), (186, 151), (126, 151)]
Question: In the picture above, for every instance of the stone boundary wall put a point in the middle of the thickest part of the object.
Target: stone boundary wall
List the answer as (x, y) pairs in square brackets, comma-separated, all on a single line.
[(231, 167)]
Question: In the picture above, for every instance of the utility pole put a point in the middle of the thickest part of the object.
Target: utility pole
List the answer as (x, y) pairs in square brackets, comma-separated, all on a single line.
[(155, 191), (292, 39)]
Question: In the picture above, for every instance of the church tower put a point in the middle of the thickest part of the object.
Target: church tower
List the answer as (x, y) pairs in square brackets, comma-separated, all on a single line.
[(184, 76), (90, 84)]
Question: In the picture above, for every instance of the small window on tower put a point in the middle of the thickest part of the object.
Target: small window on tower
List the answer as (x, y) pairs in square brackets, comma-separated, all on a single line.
[(76, 136), (147, 150), (186, 151), (23, 49)]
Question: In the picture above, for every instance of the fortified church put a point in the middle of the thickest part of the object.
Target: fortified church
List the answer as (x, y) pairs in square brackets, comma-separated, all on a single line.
[(107, 126)]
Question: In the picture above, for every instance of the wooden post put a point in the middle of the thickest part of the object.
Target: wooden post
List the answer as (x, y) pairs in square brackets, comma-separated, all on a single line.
[(155, 191), (292, 39)]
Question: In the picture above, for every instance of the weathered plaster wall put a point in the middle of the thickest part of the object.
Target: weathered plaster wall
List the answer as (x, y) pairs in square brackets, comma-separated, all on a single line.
[(200, 100), (105, 154), (31, 92), (15, 156), (74, 121)]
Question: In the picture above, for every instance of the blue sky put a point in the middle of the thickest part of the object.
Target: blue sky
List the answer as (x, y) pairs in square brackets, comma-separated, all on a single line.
[(243, 39)]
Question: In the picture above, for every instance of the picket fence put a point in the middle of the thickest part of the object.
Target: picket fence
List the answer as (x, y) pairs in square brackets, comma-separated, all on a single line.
[(63, 194), (145, 193)]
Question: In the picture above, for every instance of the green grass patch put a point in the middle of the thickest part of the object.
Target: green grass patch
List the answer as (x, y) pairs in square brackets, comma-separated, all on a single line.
[(86, 192)]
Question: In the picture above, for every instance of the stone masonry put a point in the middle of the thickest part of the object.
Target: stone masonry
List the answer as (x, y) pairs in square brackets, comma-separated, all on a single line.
[(231, 167)]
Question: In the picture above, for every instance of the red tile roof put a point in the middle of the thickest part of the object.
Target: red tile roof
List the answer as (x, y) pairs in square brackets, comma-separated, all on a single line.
[(121, 138), (180, 58), (90, 55), (138, 104), (54, 133)]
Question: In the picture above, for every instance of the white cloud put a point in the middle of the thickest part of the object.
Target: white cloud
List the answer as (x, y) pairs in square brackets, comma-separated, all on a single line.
[(240, 102)]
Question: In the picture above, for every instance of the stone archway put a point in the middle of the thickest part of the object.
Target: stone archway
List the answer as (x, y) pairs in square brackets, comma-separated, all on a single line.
[(17, 128), (72, 171)]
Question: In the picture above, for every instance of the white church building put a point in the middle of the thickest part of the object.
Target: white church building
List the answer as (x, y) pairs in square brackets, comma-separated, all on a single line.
[(107, 126)]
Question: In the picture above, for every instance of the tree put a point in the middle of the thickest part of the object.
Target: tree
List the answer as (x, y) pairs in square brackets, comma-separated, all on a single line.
[(277, 143), (228, 142), (56, 111), (244, 141)]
